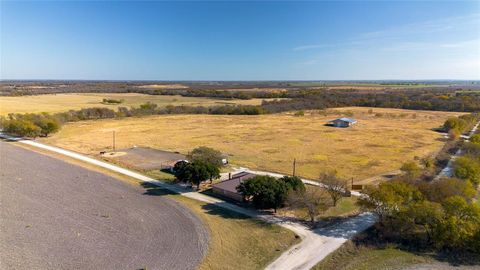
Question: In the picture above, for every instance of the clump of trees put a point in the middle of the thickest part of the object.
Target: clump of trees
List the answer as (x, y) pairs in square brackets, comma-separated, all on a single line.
[(30, 125), (442, 213), (459, 125), (195, 172), (207, 155), (204, 164), (467, 167), (267, 192)]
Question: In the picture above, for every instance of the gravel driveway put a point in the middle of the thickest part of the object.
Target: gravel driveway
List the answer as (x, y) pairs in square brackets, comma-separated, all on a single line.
[(54, 215)]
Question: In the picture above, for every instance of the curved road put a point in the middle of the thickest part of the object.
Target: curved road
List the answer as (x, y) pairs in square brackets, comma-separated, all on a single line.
[(54, 215)]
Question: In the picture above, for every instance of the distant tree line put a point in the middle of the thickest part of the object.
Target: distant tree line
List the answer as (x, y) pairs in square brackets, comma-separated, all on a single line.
[(13, 124)]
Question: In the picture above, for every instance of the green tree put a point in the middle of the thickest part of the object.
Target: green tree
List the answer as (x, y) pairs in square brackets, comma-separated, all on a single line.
[(293, 183), (389, 198), (455, 124), (48, 125), (421, 215), (475, 139), (207, 155), (467, 168), (411, 169), (438, 191), (213, 171), (21, 128), (180, 172), (460, 224), (195, 172), (266, 191)]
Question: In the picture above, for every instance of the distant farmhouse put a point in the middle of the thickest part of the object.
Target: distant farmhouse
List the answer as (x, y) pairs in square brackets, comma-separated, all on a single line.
[(228, 188), (343, 122)]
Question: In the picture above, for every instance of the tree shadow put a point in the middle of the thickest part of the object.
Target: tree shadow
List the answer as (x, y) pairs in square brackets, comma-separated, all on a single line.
[(218, 210), (154, 190)]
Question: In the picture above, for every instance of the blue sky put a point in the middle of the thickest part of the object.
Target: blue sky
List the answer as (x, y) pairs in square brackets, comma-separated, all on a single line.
[(240, 40)]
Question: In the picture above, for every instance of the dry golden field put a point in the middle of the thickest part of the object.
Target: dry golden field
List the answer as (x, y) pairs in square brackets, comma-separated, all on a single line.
[(381, 141), (64, 102)]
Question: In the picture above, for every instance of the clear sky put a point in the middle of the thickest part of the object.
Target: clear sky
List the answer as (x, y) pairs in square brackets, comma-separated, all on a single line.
[(240, 40)]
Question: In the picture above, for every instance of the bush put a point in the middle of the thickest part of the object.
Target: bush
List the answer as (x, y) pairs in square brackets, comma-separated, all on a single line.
[(112, 101), (467, 168)]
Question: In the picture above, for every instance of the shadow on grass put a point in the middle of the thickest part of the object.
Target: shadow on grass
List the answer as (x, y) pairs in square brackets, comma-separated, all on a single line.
[(153, 190)]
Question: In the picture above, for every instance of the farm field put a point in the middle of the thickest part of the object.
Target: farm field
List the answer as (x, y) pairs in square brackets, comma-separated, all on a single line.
[(63, 102), (382, 140)]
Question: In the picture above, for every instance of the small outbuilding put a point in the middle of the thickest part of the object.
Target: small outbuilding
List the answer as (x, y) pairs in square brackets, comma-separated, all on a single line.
[(228, 188), (343, 122)]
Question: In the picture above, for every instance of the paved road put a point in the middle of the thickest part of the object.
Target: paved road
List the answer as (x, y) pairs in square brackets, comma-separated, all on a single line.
[(54, 215)]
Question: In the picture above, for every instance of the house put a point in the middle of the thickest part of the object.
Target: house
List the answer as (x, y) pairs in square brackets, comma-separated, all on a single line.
[(228, 188), (343, 122)]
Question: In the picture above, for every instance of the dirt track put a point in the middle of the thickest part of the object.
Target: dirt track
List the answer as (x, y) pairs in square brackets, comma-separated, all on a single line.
[(54, 215)]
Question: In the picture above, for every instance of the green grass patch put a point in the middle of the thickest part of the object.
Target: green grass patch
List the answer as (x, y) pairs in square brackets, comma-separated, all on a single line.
[(345, 207), (160, 175)]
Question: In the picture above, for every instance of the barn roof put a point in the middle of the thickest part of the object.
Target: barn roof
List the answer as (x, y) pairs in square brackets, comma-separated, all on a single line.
[(345, 119)]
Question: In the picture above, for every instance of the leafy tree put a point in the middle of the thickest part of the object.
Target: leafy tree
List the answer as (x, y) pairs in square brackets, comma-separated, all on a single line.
[(334, 186), (266, 191), (455, 124), (207, 155), (48, 125), (293, 183), (180, 172), (213, 171), (424, 214), (390, 198), (438, 191), (195, 172), (460, 224), (411, 169), (21, 127), (475, 139), (467, 168), (313, 199)]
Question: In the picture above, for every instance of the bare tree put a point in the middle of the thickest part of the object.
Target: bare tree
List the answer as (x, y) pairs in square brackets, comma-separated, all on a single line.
[(314, 199), (335, 186)]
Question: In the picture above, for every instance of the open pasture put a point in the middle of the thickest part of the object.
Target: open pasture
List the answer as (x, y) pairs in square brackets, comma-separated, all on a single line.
[(52, 103), (381, 142)]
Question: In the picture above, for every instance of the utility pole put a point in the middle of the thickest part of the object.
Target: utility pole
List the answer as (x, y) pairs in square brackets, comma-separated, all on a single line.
[(114, 141), (294, 165)]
